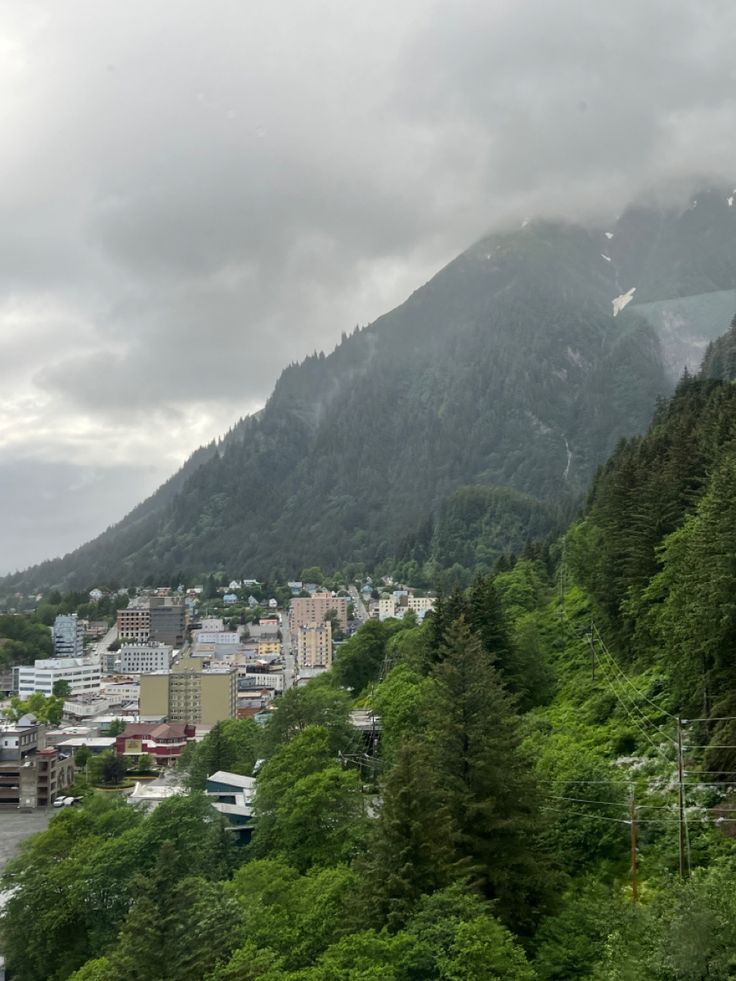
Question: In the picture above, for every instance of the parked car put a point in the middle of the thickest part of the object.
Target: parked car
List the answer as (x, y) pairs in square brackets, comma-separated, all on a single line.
[(65, 801)]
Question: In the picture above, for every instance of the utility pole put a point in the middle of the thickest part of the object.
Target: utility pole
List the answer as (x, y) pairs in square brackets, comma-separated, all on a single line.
[(634, 866), (681, 797)]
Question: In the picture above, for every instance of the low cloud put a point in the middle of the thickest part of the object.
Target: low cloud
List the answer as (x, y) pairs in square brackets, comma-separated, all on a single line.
[(196, 195)]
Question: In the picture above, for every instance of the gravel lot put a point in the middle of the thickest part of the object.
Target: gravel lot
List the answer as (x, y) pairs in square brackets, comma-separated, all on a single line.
[(16, 826)]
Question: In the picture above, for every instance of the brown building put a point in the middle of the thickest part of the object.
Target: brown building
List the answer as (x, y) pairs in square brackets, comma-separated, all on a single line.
[(314, 609), (134, 624)]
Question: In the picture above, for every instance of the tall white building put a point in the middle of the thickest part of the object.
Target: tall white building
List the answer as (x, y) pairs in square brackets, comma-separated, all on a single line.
[(68, 635), (82, 673)]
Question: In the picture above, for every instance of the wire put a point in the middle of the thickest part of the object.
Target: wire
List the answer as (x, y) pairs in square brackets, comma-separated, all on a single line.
[(715, 718), (608, 803), (626, 679), (633, 718), (605, 817)]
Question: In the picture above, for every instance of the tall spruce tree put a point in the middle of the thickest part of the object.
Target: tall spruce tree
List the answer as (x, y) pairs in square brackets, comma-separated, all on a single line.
[(483, 781)]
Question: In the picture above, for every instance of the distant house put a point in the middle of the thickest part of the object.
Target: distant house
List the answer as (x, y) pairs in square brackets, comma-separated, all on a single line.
[(96, 595), (232, 795), (295, 587), (229, 598)]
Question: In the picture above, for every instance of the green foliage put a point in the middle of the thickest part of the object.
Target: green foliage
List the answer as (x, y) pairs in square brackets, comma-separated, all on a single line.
[(108, 769), (318, 703), (230, 745), (307, 808), (46, 708)]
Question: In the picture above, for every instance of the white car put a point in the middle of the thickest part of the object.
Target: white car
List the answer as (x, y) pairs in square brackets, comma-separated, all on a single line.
[(65, 801)]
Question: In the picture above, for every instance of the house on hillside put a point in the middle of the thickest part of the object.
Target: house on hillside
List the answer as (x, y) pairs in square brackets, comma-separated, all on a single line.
[(232, 795)]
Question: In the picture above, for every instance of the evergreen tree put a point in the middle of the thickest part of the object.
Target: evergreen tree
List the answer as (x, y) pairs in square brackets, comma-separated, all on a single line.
[(489, 791)]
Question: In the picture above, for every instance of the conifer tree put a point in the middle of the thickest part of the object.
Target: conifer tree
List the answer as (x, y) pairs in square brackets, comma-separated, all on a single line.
[(489, 792)]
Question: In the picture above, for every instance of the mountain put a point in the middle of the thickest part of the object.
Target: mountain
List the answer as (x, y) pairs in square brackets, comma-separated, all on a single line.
[(452, 428)]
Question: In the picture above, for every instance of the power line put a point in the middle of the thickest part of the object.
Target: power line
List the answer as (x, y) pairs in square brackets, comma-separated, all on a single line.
[(639, 694)]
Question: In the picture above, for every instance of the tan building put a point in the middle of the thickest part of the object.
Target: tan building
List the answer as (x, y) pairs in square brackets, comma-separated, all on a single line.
[(314, 645), (313, 609), (193, 693)]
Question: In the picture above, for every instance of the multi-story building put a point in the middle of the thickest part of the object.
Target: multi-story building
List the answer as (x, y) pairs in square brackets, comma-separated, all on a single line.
[(82, 673), (314, 645), (314, 609), (421, 605), (35, 780), (157, 618), (193, 693), (68, 635), (142, 658), (134, 623), (168, 620), (21, 739)]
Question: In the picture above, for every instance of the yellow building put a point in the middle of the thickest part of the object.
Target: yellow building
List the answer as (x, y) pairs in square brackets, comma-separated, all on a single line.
[(314, 645), (191, 693), (268, 647)]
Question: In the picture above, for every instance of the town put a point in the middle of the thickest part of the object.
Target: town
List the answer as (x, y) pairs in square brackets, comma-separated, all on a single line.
[(123, 695)]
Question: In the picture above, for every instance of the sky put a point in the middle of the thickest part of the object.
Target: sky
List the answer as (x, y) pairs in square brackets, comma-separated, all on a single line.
[(195, 194)]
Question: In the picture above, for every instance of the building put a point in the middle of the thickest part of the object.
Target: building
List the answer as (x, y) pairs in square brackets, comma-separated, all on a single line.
[(155, 618), (134, 623), (314, 609), (36, 780), (82, 673), (162, 741), (386, 608), (142, 658), (421, 605), (168, 620), (232, 795), (314, 645), (219, 637), (21, 739), (68, 635), (193, 693)]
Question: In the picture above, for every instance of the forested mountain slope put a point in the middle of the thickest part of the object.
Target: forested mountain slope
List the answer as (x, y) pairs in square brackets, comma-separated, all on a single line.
[(493, 392)]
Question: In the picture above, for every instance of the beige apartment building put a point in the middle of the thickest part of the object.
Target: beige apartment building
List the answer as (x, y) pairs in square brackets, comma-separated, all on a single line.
[(193, 693), (314, 645), (313, 609)]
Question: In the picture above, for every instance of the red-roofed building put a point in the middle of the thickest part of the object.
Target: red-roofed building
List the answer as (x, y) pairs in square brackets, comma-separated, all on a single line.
[(162, 741)]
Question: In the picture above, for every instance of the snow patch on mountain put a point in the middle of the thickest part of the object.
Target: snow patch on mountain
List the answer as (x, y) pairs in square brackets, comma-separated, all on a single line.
[(623, 300)]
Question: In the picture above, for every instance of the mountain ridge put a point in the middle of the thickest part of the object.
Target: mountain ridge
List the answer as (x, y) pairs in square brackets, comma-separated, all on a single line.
[(506, 370)]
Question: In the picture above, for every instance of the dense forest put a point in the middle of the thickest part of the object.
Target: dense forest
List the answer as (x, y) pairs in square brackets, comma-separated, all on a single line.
[(480, 406), (553, 794)]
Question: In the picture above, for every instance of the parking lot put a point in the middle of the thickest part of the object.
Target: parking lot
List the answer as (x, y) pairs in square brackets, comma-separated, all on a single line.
[(16, 826)]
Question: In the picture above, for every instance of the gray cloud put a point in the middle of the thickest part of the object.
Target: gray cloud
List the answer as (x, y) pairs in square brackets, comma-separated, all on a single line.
[(196, 194)]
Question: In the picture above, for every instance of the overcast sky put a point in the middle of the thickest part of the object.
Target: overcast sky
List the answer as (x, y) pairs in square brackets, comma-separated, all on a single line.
[(194, 194)]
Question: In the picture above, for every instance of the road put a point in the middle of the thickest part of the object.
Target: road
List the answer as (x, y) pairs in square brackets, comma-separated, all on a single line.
[(101, 646), (360, 611), (287, 654)]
